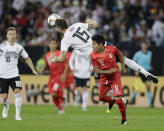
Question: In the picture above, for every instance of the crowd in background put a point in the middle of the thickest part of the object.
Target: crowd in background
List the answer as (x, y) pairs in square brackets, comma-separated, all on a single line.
[(123, 22)]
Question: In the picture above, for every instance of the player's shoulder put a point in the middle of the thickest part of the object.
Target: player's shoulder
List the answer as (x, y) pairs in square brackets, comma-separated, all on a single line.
[(18, 45), (3, 44), (92, 55), (47, 54), (110, 47)]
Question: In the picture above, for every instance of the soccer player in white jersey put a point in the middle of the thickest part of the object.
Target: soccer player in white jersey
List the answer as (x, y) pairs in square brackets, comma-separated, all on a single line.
[(9, 74), (78, 37), (81, 67)]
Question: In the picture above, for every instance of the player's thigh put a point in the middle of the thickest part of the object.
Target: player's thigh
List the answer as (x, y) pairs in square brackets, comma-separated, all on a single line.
[(117, 88), (103, 89), (4, 87), (15, 84)]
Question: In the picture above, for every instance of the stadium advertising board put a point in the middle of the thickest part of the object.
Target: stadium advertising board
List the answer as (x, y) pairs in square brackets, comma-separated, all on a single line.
[(35, 92)]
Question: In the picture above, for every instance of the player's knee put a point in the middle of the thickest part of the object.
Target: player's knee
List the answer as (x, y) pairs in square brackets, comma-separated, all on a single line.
[(17, 91), (101, 98)]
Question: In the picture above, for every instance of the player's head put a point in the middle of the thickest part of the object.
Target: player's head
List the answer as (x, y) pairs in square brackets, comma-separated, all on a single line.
[(11, 34), (53, 44), (144, 46), (61, 25), (98, 42)]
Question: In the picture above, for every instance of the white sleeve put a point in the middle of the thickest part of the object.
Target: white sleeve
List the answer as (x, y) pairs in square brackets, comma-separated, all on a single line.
[(64, 45), (71, 60), (23, 53)]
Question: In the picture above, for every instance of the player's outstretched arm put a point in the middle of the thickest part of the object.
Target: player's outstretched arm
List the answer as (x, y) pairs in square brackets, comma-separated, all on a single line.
[(60, 58), (99, 71), (91, 24), (121, 58), (30, 64)]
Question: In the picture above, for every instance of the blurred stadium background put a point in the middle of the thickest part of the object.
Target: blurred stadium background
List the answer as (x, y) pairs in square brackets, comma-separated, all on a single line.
[(124, 23)]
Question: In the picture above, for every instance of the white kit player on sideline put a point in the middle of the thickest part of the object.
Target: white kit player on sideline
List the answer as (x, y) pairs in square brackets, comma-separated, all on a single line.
[(81, 67), (78, 37), (9, 74)]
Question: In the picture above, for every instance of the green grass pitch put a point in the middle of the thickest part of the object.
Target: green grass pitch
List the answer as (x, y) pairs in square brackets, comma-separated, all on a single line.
[(46, 118)]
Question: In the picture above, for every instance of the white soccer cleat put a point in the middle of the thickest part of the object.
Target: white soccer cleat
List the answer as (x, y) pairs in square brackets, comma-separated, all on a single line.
[(5, 111), (18, 118), (84, 109), (61, 112)]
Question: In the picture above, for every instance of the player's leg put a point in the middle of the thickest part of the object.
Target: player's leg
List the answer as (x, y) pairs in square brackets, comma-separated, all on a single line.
[(103, 90), (117, 94), (134, 66), (4, 87), (16, 86), (149, 95), (85, 94), (77, 91)]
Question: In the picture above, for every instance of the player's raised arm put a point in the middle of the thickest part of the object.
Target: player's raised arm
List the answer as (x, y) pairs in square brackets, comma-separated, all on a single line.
[(91, 24), (30, 64)]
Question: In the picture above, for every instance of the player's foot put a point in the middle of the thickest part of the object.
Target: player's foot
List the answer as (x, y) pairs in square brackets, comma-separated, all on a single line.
[(18, 118), (84, 109), (61, 112), (110, 107), (124, 122), (152, 77), (5, 111)]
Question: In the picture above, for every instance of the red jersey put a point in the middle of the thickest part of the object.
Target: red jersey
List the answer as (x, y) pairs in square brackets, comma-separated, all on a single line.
[(56, 69), (106, 60), (66, 61)]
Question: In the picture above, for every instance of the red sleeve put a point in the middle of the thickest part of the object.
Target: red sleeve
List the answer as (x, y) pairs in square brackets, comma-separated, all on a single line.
[(67, 57), (115, 50), (93, 60), (46, 61)]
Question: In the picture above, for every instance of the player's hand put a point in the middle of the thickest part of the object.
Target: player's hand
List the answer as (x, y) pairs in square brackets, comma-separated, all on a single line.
[(35, 73), (112, 70), (51, 59), (62, 78), (41, 70)]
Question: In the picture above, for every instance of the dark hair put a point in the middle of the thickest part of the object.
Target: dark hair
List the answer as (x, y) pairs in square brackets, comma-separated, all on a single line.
[(99, 39), (10, 28), (61, 23)]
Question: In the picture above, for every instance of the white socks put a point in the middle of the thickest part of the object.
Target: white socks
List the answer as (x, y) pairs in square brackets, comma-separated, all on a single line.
[(77, 98), (84, 100), (134, 66), (5, 102), (18, 104)]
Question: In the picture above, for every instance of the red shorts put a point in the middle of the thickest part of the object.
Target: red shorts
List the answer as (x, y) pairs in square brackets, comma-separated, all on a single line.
[(111, 84), (54, 86), (70, 83)]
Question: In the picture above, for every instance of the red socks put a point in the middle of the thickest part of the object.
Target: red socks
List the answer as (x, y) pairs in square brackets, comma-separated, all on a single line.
[(122, 108), (57, 102)]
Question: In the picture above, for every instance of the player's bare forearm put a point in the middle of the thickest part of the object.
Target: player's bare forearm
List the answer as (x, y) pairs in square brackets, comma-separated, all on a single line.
[(30, 64), (91, 24), (99, 71), (121, 58), (60, 58)]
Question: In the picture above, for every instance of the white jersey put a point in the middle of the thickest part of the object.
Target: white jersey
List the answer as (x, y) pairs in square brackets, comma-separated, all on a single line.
[(81, 64), (78, 37), (9, 59)]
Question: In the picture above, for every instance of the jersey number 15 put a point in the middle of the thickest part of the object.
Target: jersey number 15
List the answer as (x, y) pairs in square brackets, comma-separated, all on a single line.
[(81, 34)]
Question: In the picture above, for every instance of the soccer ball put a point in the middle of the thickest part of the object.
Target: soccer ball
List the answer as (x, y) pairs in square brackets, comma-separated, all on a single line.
[(52, 18)]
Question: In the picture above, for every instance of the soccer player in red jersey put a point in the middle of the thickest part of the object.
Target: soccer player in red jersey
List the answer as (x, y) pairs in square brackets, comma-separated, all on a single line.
[(56, 70), (104, 63)]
